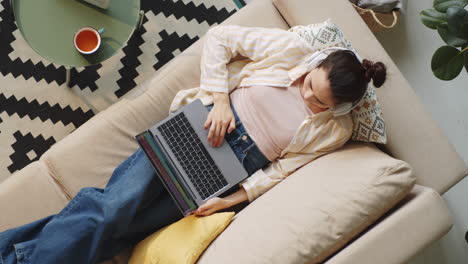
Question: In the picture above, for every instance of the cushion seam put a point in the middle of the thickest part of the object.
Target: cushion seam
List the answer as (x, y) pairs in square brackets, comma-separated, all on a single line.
[(52, 174), (371, 219), (283, 16)]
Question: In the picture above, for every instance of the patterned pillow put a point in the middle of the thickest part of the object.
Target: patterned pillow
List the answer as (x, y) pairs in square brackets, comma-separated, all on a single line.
[(369, 125), (322, 35)]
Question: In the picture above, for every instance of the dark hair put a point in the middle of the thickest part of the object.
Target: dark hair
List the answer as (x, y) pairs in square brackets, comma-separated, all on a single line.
[(348, 77)]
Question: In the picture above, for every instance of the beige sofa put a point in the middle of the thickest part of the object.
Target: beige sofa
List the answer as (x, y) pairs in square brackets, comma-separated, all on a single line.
[(88, 156)]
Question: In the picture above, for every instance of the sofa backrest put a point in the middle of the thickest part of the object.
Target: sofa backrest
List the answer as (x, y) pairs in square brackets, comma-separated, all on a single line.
[(413, 136)]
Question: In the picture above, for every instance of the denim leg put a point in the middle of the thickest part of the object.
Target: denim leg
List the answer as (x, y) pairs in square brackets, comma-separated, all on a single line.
[(94, 216), (11, 238), (24, 251), (78, 232), (161, 212)]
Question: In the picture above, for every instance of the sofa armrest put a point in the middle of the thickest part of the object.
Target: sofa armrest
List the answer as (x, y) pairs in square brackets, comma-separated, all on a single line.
[(420, 219)]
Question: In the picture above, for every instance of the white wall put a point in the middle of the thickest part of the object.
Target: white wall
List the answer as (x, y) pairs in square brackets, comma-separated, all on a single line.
[(411, 45)]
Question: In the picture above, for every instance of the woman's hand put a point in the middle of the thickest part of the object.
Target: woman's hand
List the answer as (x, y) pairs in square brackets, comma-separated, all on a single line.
[(212, 205), (219, 118)]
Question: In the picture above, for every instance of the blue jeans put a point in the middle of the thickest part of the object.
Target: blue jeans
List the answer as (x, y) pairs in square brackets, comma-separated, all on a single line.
[(99, 223)]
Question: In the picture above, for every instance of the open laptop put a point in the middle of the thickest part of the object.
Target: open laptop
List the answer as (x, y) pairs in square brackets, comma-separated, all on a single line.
[(191, 170)]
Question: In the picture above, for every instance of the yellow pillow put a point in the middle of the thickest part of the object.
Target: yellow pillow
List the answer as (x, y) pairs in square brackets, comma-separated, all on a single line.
[(181, 242)]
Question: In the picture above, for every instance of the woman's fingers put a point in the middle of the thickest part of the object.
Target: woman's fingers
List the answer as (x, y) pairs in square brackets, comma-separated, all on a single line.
[(207, 122), (206, 212), (232, 125), (203, 211), (223, 132), (211, 206), (227, 127), (219, 121), (217, 133), (211, 133)]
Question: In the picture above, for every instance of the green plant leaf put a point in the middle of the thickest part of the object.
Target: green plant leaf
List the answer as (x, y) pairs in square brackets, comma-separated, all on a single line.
[(464, 30), (466, 61), (431, 18), (450, 37), (443, 5), (456, 19), (447, 62)]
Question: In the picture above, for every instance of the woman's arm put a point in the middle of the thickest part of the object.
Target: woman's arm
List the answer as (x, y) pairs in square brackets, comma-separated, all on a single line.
[(220, 98), (216, 203), (237, 197), (222, 43)]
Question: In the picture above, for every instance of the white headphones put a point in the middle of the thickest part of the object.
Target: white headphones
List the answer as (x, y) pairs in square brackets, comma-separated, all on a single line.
[(315, 59)]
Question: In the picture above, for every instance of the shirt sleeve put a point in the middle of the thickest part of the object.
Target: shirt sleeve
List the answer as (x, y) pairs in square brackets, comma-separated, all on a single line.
[(222, 43), (325, 138)]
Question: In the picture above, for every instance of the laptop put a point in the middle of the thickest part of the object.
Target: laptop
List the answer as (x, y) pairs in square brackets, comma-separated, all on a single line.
[(191, 170)]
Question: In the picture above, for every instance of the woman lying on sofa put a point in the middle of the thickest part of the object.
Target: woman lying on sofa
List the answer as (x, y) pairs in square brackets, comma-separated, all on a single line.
[(293, 101)]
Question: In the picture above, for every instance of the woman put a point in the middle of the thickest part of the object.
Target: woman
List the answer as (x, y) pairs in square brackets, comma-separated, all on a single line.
[(288, 107)]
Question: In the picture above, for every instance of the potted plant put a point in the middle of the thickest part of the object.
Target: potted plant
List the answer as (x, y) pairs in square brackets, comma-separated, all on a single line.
[(450, 19)]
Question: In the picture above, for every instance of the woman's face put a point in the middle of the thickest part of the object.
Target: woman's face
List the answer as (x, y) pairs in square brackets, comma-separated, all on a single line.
[(316, 91)]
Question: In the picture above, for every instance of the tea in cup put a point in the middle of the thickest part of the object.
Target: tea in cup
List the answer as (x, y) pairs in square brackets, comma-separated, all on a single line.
[(87, 40)]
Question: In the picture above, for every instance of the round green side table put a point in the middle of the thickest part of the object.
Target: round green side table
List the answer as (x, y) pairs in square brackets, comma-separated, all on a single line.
[(48, 26)]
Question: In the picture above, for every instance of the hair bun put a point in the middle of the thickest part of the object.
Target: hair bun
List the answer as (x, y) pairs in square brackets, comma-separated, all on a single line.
[(375, 71)]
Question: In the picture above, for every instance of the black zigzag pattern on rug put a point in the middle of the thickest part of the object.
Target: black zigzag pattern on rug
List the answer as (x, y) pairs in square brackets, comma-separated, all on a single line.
[(23, 145), (169, 43), (130, 61), (26, 143), (189, 11), (43, 111)]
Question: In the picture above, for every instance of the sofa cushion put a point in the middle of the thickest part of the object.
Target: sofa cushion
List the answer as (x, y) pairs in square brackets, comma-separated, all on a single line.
[(88, 156), (29, 195), (412, 135), (315, 211)]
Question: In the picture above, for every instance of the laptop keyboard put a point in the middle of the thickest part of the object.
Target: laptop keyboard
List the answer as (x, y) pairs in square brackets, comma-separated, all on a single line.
[(192, 155)]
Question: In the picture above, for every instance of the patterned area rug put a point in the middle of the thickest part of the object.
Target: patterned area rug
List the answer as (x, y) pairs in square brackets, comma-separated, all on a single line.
[(37, 108)]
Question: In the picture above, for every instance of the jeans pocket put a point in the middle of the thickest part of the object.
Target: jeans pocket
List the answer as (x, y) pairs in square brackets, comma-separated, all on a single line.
[(246, 163), (248, 160), (230, 136), (24, 251)]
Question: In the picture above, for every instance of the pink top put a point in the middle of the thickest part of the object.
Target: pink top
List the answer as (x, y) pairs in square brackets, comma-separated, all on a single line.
[(271, 123)]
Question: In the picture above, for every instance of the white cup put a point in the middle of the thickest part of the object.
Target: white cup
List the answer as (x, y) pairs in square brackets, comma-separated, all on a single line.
[(87, 40)]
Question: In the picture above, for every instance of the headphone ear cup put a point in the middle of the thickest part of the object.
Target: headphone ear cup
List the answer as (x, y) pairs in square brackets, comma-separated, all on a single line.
[(342, 109), (315, 59)]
